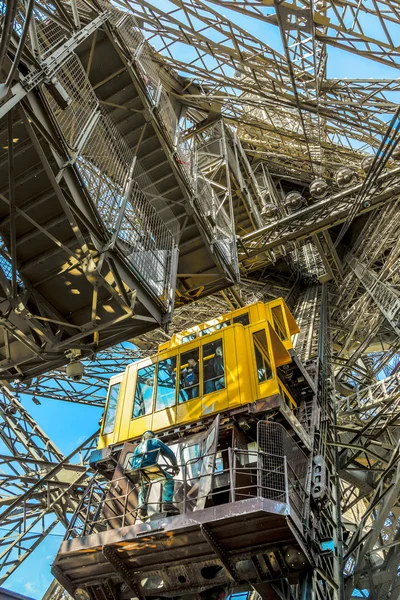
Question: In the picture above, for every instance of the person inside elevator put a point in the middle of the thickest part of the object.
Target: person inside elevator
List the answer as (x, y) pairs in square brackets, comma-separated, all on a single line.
[(214, 372), (190, 378)]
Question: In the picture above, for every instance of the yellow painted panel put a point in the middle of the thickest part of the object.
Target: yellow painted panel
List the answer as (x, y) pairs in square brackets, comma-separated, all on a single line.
[(267, 388), (235, 364), (214, 402), (139, 425), (130, 377), (189, 410), (240, 389), (162, 419), (281, 355), (293, 327)]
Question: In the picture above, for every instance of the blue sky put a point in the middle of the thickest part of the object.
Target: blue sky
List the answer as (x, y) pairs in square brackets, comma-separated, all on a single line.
[(67, 424)]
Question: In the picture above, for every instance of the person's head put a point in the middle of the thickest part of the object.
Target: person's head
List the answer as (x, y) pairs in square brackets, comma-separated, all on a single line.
[(148, 435), (192, 361), (218, 351)]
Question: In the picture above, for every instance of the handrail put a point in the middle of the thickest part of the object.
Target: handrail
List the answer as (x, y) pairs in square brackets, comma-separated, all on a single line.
[(244, 474)]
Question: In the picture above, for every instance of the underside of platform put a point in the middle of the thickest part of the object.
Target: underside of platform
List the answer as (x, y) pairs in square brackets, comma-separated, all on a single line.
[(250, 540)]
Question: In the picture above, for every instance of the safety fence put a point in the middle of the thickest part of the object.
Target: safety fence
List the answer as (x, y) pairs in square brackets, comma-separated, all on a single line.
[(107, 167), (214, 217), (218, 478), (277, 445), (98, 150)]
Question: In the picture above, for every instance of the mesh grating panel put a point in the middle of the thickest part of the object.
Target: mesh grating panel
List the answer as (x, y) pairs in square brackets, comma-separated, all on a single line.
[(49, 34), (73, 119), (104, 164), (276, 444), (147, 243), (104, 167)]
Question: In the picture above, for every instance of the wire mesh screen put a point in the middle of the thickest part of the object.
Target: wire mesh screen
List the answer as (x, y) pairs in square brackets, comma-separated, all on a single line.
[(48, 35), (104, 167), (73, 119), (148, 244), (105, 164), (277, 448)]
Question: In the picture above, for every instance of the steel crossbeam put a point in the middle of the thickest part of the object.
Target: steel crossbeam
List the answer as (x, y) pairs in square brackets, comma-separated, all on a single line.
[(39, 486), (384, 295), (157, 125)]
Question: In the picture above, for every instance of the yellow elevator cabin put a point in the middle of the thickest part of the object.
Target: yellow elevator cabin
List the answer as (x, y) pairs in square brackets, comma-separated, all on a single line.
[(255, 341)]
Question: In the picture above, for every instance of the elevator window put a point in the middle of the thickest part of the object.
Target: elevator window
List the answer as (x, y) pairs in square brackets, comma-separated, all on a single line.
[(243, 319), (166, 383), (109, 419), (213, 367), (143, 402), (189, 385), (216, 327), (279, 322), (263, 363), (188, 338)]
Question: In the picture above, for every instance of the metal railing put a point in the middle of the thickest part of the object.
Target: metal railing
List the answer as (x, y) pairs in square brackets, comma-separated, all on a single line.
[(107, 167), (367, 401), (218, 478), (214, 217)]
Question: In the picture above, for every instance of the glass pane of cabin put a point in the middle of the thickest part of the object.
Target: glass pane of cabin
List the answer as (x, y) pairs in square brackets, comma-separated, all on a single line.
[(264, 371), (109, 419), (188, 338), (191, 457), (166, 383), (213, 367), (279, 322), (143, 403), (243, 319), (217, 327), (189, 375)]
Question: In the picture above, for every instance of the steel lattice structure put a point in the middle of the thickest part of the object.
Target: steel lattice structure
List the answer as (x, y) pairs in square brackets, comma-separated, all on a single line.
[(131, 130)]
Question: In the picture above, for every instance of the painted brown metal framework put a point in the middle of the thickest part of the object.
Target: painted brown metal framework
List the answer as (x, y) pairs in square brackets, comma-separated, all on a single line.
[(134, 131)]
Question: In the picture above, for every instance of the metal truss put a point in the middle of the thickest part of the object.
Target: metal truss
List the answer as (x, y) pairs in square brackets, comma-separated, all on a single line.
[(39, 485), (270, 93), (191, 135), (384, 295), (369, 462)]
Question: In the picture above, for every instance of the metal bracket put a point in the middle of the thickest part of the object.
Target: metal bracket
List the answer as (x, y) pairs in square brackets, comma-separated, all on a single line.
[(219, 551), (63, 579), (122, 571)]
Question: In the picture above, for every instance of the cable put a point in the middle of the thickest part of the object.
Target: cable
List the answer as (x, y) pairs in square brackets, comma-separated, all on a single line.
[(387, 146)]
